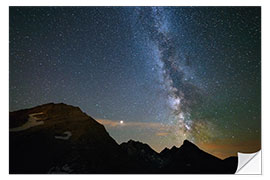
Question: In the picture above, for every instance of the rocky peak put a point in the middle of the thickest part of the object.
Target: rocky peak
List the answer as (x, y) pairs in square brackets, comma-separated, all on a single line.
[(134, 147), (165, 150), (188, 145)]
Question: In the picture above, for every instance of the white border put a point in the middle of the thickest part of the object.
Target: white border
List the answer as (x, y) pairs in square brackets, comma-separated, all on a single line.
[(135, 2), (4, 76)]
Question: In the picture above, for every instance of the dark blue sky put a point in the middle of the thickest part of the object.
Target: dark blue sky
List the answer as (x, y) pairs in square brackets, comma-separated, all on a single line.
[(169, 73)]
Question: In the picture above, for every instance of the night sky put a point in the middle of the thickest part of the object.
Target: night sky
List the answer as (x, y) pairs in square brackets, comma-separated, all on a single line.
[(154, 74)]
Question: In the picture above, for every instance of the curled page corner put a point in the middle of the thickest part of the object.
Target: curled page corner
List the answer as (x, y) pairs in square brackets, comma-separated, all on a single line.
[(249, 163)]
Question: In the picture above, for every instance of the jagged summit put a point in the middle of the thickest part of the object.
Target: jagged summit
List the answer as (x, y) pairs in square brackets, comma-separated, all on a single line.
[(131, 141), (165, 150), (187, 142), (135, 146), (189, 145), (134, 142)]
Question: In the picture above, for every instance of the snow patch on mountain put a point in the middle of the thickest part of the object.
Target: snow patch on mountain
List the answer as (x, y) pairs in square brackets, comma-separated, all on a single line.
[(33, 121), (66, 135)]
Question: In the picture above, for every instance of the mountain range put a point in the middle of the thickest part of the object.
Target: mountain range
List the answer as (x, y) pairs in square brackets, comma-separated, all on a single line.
[(60, 138)]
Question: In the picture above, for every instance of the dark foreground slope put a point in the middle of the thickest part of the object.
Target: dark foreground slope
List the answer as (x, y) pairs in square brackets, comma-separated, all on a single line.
[(67, 141), (58, 138)]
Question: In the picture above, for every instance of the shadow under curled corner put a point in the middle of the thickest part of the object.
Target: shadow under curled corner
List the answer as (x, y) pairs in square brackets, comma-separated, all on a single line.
[(249, 163)]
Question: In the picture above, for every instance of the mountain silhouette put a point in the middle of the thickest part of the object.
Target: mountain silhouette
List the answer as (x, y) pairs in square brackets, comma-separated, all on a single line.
[(141, 156), (190, 159), (59, 138)]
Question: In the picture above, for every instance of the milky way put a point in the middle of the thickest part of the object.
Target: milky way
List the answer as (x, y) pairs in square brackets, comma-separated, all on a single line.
[(181, 93), (166, 73)]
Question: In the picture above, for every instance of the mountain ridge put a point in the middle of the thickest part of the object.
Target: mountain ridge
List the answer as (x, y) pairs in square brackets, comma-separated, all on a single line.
[(60, 138)]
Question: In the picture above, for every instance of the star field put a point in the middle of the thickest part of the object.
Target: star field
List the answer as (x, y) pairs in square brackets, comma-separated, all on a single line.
[(155, 74)]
